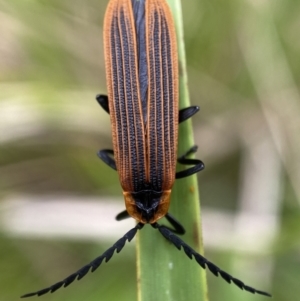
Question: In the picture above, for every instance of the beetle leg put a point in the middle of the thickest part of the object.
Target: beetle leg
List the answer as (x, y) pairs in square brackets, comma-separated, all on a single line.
[(103, 102), (187, 113), (183, 115), (178, 228), (198, 164), (122, 215), (105, 156)]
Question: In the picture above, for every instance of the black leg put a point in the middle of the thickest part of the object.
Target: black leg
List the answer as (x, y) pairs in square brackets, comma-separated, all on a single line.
[(122, 215), (183, 114), (93, 265), (178, 228), (105, 156), (187, 113), (198, 164), (202, 261), (103, 102)]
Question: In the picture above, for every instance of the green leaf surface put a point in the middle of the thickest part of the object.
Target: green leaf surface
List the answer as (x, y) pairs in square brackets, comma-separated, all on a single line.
[(164, 273)]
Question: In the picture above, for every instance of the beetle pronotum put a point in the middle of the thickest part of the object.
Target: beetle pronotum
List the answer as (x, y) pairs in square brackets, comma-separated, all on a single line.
[(142, 82)]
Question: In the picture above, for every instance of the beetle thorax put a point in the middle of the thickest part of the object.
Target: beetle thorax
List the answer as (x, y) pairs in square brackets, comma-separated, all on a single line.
[(147, 205)]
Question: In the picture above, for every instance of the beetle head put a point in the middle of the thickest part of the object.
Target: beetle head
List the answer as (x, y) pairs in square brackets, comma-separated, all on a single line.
[(147, 206)]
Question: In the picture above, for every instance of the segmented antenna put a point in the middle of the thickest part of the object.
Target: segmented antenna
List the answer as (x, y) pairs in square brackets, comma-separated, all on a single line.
[(203, 262), (93, 265)]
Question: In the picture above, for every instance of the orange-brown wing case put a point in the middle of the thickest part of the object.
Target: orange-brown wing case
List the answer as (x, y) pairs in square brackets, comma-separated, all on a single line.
[(142, 81)]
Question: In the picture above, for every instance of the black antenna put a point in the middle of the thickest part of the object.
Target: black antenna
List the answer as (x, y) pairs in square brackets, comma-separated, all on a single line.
[(202, 261), (93, 265)]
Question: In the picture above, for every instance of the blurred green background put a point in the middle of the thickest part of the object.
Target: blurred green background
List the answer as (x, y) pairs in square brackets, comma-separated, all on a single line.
[(58, 201)]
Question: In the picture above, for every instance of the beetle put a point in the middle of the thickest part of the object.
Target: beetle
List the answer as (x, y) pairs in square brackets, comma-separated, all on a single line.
[(142, 81)]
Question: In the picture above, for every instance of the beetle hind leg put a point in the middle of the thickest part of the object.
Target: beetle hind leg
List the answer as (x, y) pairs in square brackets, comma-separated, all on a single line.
[(187, 113)]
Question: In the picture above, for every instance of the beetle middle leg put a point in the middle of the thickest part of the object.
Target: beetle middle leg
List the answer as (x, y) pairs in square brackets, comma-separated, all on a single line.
[(198, 164), (106, 155), (103, 102), (183, 114)]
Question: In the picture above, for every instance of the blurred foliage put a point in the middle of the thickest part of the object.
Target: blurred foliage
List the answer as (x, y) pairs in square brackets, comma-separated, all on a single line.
[(244, 72)]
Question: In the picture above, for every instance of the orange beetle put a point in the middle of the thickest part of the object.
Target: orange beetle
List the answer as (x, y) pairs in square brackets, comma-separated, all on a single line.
[(142, 81)]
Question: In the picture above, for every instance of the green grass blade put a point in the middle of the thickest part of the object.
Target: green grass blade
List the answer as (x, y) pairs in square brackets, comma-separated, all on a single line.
[(164, 273)]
